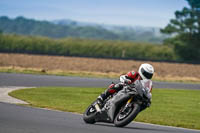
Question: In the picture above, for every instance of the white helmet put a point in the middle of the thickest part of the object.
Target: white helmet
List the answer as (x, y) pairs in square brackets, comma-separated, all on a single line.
[(146, 71)]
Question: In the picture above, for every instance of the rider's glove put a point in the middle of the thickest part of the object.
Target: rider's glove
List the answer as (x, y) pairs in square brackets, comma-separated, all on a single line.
[(127, 81), (124, 80)]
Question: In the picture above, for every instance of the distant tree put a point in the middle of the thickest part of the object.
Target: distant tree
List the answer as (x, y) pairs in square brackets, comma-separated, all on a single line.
[(186, 30)]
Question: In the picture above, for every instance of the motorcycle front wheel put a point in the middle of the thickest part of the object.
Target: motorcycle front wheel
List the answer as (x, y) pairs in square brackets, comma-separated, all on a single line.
[(89, 115), (125, 116)]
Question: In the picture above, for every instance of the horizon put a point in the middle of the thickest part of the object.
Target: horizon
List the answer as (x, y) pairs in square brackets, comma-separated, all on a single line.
[(84, 23), (154, 13)]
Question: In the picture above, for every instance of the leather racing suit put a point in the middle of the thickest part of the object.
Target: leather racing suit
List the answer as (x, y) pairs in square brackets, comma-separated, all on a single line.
[(129, 78)]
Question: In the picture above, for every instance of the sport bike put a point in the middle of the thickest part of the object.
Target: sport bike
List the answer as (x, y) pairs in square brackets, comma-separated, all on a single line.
[(121, 108)]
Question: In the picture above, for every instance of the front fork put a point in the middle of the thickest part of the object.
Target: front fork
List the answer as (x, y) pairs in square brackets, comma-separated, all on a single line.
[(127, 104), (97, 107), (129, 101)]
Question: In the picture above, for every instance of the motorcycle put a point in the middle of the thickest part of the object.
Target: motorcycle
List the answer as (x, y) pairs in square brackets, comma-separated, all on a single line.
[(123, 107)]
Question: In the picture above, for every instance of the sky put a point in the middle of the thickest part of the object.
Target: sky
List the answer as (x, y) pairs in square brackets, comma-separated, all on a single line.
[(148, 13)]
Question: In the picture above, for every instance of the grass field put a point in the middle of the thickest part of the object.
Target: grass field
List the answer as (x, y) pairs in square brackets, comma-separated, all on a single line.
[(172, 107), (91, 67)]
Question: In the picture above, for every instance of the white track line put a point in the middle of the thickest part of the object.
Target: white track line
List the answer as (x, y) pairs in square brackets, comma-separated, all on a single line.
[(4, 97), (167, 126)]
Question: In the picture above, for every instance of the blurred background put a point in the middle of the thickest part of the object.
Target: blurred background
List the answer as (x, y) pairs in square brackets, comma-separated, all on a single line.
[(104, 39), (153, 30)]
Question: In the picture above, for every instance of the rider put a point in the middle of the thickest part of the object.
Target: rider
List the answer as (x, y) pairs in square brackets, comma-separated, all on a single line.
[(145, 72)]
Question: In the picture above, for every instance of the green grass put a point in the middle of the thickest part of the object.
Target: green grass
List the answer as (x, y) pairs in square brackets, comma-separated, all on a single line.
[(172, 107)]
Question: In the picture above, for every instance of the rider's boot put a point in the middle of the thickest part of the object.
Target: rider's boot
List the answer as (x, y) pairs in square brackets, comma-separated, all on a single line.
[(111, 90), (101, 98)]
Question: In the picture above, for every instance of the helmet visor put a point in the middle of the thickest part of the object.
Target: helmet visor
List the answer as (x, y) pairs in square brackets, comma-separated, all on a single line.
[(146, 74)]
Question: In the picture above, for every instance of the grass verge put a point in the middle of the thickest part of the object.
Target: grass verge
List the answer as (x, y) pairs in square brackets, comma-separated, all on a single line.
[(179, 108), (90, 74)]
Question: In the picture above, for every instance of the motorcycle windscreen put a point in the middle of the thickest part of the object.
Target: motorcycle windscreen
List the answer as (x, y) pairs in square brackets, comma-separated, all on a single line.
[(147, 88), (144, 87), (147, 84)]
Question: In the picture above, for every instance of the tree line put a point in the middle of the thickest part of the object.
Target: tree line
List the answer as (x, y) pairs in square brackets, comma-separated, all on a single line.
[(25, 26), (84, 47)]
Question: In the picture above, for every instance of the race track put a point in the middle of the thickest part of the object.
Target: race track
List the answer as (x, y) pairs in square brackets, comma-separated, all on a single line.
[(29, 80), (20, 119)]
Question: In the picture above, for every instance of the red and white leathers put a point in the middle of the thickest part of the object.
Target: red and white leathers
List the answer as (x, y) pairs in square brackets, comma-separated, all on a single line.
[(145, 72), (129, 78)]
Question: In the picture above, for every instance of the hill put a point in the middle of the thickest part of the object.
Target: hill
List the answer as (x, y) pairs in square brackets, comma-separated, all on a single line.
[(69, 28), (131, 33), (24, 26)]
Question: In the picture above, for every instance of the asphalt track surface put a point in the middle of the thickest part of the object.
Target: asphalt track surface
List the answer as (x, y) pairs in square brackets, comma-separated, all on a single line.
[(19, 119), (29, 80)]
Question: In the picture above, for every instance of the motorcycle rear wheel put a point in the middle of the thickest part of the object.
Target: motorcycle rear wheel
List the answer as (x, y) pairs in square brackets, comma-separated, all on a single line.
[(122, 119)]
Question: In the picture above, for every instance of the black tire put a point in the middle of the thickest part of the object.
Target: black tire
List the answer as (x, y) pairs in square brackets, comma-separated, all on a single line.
[(130, 117), (88, 116)]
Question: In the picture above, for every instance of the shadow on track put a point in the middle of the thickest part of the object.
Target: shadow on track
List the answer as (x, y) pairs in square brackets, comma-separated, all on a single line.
[(133, 128)]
